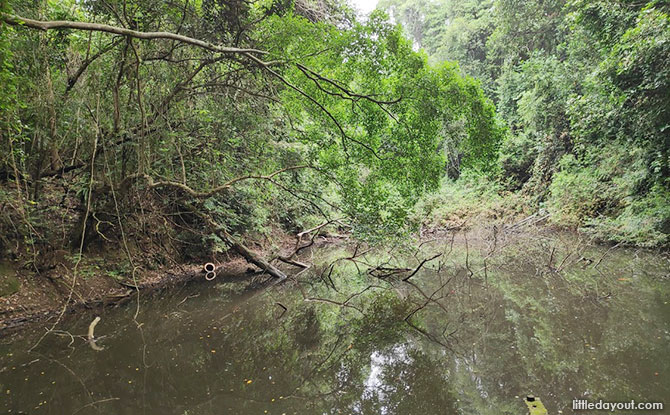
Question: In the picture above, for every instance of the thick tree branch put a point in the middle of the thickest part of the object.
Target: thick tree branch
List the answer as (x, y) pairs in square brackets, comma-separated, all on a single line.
[(98, 27), (202, 195), (250, 54), (72, 80), (421, 265)]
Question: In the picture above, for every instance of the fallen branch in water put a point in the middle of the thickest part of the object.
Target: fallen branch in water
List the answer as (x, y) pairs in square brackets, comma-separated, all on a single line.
[(91, 334), (290, 261), (421, 265), (232, 242)]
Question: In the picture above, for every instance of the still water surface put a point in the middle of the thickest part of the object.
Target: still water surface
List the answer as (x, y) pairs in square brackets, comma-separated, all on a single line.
[(466, 337)]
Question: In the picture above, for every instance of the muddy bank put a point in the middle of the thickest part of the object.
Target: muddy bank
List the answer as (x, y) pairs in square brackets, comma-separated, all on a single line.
[(42, 297), (105, 279)]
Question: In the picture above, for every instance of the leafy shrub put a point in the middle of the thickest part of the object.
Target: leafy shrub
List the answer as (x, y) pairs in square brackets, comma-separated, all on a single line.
[(459, 201), (575, 193), (607, 195), (644, 222)]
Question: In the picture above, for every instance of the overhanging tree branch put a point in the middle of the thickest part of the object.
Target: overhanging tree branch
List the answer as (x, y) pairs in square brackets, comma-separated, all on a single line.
[(202, 195), (249, 53), (98, 27)]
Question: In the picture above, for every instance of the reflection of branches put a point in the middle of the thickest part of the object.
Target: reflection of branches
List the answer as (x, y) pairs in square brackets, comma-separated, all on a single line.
[(467, 254), (329, 301), (344, 303), (595, 266), (319, 368), (285, 309), (353, 258), (74, 374), (429, 336), (431, 298), (421, 265)]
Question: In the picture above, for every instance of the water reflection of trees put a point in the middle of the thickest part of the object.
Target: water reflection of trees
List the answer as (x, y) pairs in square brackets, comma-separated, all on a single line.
[(519, 323), (465, 334)]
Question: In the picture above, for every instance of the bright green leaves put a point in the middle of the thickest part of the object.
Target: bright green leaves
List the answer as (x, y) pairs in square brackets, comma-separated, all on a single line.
[(378, 114), (352, 99), (626, 97)]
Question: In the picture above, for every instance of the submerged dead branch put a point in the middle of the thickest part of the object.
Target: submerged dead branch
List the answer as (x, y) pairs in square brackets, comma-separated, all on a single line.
[(91, 334)]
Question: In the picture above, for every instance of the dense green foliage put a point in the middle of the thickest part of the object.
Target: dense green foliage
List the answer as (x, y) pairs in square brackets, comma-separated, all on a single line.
[(320, 116), (584, 87)]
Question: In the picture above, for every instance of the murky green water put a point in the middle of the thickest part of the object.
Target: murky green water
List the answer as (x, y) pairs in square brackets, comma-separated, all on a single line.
[(450, 343)]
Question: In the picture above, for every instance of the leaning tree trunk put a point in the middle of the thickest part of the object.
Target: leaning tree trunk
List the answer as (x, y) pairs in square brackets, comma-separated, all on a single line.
[(248, 254)]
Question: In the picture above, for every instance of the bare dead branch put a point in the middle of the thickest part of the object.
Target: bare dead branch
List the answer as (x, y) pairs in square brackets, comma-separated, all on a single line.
[(421, 265)]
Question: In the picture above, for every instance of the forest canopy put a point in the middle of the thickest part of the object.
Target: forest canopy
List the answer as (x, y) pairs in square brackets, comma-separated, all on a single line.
[(201, 123), (249, 112)]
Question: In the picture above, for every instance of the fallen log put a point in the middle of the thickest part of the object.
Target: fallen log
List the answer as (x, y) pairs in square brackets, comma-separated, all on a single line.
[(246, 253)]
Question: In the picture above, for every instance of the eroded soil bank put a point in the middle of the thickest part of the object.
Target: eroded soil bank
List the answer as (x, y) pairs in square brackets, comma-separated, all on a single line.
[(40, 298), (106, 279)]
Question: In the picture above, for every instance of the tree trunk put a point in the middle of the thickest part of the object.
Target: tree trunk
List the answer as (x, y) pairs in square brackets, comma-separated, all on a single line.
[(248, 254)]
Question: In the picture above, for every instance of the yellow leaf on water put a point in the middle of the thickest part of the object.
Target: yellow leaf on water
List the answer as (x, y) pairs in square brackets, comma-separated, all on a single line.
[(249, 381)]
